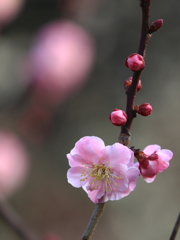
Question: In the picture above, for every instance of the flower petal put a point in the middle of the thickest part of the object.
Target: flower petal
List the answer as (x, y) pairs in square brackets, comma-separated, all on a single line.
[(149, 180), (74, 176), (151, 149), (97, 195), (132, 175), (117, 153)]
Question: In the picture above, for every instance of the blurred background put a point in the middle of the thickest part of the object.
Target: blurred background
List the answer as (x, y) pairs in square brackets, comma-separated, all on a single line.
[(61, 74)]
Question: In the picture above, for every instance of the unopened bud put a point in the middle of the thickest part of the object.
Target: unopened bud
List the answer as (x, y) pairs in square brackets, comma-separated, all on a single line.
[(118, 117), (155, 25), (135, 62), (128, 82), (144, 109)]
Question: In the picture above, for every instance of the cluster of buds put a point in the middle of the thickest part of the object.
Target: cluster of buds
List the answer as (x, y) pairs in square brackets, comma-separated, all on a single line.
[(118, 117), (144, 109)]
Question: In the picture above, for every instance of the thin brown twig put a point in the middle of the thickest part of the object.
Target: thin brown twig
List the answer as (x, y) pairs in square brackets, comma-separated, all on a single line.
[(175, 229), (16, 223), (98, 210), (125, 134)]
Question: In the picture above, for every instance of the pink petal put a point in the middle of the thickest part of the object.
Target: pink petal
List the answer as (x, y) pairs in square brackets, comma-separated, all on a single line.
[(117, 153), (117, 195), (74, 176), (163, 165), (165, 155), (88, 148), (151, 149), (149, 180), (95, 195), (132, 175), (151, 170)]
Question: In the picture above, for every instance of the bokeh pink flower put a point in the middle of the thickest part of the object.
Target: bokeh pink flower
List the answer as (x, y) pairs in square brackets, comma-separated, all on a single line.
[(60, 60), (104, 172), (156, 161), (9, 10), (14, 164)]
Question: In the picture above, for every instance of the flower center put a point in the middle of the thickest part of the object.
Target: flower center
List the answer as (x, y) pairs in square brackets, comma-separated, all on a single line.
[(98, 175)]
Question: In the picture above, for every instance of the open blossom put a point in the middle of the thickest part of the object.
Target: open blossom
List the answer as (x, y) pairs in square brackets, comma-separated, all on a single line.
[(104, 172), (156, 160)]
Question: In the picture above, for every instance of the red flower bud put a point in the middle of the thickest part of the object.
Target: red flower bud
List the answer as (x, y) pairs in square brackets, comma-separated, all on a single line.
[(155, 25), (118, 117), (144, 109), (128, 82), (135, 62)]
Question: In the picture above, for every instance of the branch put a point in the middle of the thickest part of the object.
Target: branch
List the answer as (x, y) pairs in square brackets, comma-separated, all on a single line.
[(16, 223), (125, 134), (175, 229), (98, 210)]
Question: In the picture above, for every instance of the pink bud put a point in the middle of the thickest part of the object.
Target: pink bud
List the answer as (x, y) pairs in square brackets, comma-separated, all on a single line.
[(135, 62), (118, 117), (128, 82), (144, 109), (155, 25)]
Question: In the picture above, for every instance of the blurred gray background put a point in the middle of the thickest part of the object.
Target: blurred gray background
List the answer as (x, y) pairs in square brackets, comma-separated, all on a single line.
[(47, 202)]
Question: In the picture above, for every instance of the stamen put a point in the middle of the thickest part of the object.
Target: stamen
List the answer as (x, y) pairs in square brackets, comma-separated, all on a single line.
[(97, 174)]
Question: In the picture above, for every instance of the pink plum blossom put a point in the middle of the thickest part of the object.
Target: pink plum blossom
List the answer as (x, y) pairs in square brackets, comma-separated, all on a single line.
[(13, 164), (104, 172), (60, 60), (157, 160), (9, 9)]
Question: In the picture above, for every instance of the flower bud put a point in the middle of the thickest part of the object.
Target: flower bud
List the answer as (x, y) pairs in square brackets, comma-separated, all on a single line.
[(135, 62), (155, 25), (118, 117), (144, 109), (128, 82)]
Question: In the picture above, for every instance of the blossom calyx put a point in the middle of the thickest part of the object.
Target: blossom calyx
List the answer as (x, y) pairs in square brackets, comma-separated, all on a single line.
[(135, 62), (128, 82), (155, 25), (144, 109), (118, 117)]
